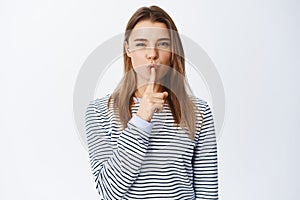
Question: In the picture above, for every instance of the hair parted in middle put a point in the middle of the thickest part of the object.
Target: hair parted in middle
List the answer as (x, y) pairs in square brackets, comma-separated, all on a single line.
[(184, 109)]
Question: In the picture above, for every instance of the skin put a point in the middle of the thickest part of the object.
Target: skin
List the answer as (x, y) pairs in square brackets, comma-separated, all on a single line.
[(149, 48)]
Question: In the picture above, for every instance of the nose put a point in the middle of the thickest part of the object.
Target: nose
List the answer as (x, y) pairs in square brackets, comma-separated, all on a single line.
[(152, 53)]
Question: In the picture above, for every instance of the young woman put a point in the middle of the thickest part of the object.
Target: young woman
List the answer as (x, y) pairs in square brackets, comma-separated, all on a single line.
[(151, 138)]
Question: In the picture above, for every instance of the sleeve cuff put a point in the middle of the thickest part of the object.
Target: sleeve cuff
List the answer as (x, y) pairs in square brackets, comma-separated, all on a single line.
[(141, 123)]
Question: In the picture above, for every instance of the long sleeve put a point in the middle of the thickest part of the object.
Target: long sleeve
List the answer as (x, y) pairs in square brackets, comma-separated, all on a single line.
[(114, 169), (141, 123), (205, 163)]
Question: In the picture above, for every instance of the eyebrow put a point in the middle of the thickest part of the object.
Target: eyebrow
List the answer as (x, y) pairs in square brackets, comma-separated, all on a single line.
[(144, 40)]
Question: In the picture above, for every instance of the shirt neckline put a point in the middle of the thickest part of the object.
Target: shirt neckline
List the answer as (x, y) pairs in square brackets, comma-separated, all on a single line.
[(137, 99)]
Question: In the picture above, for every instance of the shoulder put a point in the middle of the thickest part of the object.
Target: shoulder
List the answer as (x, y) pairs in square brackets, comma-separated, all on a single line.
[(205, 117), (100, 101), (97, 115), (200, 103), (203, 109), (99, 104)]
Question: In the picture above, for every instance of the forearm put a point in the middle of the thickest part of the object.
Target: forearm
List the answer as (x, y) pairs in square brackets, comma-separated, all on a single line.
[(115, 167)]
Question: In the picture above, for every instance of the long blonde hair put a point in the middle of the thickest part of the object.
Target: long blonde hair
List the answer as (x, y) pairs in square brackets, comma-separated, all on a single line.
[(175, 82)]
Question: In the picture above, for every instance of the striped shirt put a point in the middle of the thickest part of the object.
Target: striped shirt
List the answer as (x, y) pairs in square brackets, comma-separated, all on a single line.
[(151, 161)]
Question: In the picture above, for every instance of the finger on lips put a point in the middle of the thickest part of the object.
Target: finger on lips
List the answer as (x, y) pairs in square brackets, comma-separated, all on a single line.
[(157, 98), (150, 87)]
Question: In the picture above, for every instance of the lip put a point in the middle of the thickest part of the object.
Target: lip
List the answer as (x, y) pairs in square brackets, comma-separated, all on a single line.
[(152, 65)]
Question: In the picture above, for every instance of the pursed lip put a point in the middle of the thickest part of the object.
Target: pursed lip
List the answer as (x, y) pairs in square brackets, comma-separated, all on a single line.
[(152, 65)]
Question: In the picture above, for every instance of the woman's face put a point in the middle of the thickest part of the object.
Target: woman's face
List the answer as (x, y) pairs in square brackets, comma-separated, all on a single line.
[(149, 45)]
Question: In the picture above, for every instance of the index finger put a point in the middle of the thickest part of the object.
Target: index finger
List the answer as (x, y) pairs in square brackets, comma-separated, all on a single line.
[(150, 87)]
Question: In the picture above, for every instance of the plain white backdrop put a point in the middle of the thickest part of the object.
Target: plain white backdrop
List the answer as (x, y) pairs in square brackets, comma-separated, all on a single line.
[(254, 45)]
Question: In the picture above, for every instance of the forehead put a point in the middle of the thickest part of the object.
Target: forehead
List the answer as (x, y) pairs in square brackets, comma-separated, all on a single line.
[(149, 30)]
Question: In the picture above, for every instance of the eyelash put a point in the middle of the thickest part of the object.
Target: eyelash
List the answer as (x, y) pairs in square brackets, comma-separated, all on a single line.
[(161, 43), (140, 44), (164, 44)]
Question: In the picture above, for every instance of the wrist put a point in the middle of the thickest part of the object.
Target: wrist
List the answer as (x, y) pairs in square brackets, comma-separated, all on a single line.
[(148, 119)]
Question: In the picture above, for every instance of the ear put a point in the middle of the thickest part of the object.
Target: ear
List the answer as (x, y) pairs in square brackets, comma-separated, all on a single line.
[(126, 46)]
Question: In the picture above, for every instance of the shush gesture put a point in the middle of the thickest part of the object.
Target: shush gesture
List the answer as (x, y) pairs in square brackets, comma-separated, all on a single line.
[(151, 101)]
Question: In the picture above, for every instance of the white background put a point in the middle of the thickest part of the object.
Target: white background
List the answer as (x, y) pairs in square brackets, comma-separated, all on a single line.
[(254, 45)]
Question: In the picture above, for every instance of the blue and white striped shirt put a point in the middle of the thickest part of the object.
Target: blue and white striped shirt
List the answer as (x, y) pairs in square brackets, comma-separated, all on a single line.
[(151, 160)]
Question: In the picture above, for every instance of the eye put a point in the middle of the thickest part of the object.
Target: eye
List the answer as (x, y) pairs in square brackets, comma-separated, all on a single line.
[(140, 44), (164, 44)]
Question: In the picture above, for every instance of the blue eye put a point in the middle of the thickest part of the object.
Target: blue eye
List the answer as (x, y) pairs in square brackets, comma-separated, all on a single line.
[(140, 45), (165, 44)]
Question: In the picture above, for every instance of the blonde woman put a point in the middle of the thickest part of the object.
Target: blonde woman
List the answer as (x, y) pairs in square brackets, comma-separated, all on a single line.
[(151, 138)]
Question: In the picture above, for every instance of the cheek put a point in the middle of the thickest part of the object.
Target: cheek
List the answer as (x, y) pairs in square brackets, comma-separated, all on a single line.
[(165, 56), (137, 59)]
